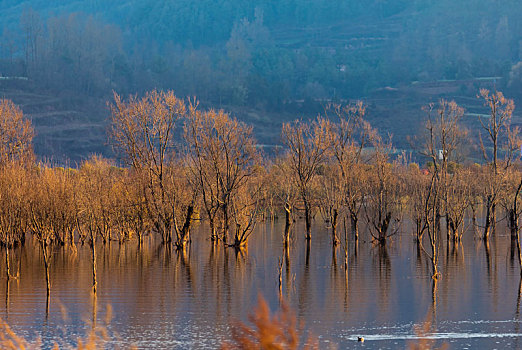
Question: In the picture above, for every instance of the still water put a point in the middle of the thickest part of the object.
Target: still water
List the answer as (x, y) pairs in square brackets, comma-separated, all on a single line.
[(162, 300)]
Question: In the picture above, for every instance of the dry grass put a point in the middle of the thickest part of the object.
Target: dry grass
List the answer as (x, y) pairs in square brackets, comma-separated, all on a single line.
[(97, 338), (270, 332), (10, 341), (279, 331)]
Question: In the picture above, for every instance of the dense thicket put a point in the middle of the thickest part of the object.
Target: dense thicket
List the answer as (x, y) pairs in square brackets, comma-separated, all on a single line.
[(187, 165)]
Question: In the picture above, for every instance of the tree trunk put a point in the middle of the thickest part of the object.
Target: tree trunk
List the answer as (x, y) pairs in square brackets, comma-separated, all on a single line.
[(437, 220), (213, 236), (355, 225), (493, 218), (513, 224), (419, 230), (288, 224), (307, 256), (434, 260), (308, 221), (449, 226), (335, 239), (474, 219), (168, 234), (487, 226), (516, 236), (46, 266), (185, 231), (93, 248), (346, 245), (94, 282), (383, 229), (71, 236), (8, 272), (225, 223), (140, 238)]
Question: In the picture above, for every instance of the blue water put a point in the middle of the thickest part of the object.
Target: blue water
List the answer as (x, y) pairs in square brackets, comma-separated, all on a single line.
[(162, 300)]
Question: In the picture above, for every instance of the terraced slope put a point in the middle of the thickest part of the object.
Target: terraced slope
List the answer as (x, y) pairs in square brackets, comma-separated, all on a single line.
[(62, 133)]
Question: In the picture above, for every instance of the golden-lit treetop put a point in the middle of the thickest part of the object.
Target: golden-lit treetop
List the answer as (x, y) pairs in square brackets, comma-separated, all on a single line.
[(16, 133), (143, 128)]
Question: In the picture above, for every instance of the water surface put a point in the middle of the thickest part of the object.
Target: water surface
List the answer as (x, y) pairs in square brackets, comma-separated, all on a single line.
[(162, 299)]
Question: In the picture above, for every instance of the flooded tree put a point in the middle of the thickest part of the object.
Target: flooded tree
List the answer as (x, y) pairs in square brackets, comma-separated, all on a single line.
[(144, 131), (245, 210), (13, 209), (182, 193), (445, 194), (350, 134), (16, 156), (286, 191), (457, 200), (199, 138), (502, 137), (222, 158), (97, 209), (134, 211), (383, 203), (443, 136), (511, 201), (331, 196), (307, 146), (432, 200), (42, 204), (418, 190)]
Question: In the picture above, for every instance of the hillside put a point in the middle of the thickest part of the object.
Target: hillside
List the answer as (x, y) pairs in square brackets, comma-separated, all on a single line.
[(65, 131), (266, 62)]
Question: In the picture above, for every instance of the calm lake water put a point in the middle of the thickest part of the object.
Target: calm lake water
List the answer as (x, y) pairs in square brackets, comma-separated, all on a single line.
[(164, 301)]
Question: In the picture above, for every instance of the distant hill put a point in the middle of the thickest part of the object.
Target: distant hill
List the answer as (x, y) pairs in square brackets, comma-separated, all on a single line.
[(266, 61)]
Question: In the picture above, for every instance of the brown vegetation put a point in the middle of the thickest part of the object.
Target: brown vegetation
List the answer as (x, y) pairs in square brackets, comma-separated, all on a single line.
[(16, 133), (97, 338), (222, 161), (279, 331), (220, 177), (307, 146)]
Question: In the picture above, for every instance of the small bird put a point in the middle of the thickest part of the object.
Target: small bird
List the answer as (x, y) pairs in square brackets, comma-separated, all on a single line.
[(361, 339)]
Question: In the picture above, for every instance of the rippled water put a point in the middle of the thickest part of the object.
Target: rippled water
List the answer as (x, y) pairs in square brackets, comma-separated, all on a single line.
[(160, 299)]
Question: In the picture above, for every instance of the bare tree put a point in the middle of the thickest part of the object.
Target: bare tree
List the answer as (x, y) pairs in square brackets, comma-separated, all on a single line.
[(457, 199), (307, 146), (382, 205), (286, 192), (16, 134), (430, 224), (502, 137), (222, 158), (144, 130), (418, 186), (96, 210), (245, 209), (443, 136), (510, 199), (13, 210), (331, 196), (445, 193), (350, 135), (41, 203)]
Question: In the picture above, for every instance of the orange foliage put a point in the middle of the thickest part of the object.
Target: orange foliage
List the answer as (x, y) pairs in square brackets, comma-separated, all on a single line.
[(279, 331)]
